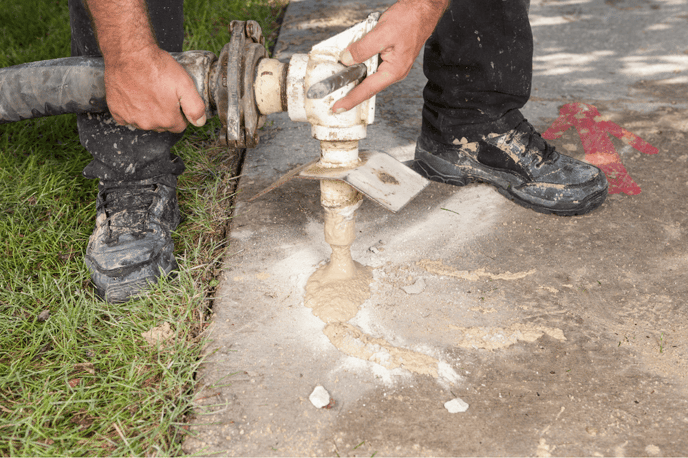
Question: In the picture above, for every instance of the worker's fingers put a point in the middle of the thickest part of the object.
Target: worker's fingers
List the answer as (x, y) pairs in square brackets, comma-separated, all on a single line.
[(192, 104), (359, 51), (384, 77), (398, 37), (178, 125)]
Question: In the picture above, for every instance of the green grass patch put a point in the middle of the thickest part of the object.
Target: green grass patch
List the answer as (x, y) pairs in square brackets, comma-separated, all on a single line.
[(85, 381)]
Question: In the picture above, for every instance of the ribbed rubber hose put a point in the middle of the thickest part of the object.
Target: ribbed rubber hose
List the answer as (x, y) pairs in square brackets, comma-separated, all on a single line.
[(52, 87), (77, 85)]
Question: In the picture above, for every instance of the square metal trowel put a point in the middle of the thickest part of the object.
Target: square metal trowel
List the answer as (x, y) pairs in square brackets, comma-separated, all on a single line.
[(378, 175)]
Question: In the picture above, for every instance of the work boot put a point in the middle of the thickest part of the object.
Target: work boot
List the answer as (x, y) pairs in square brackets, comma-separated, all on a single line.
[(131, 246), (521, 165)]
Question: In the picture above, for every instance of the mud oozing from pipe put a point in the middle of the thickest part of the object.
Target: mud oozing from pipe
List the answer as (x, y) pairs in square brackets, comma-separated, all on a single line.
[(336, 290)]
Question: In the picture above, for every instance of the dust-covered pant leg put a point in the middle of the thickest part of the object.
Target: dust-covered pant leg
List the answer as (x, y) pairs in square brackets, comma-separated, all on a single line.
[(479, 65), (122, 153)]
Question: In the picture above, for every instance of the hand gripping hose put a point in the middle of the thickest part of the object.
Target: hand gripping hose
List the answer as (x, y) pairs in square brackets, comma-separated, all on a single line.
[(77, 85)]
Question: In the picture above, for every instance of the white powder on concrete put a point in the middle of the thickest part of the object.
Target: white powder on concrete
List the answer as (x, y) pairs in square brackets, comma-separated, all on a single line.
[(478, 208), (366, 321), (447, 375), (389, 377)]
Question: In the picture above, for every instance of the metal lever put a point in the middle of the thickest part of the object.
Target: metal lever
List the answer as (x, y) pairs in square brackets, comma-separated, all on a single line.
[(337, 81)]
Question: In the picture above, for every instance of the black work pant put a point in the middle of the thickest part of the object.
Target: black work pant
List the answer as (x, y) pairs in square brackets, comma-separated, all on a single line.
[(479, 64), (122, 153)]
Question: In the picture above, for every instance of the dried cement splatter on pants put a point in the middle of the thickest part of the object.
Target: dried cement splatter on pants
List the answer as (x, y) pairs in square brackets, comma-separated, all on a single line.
[(438, 268), (493, 338), (354, 342)]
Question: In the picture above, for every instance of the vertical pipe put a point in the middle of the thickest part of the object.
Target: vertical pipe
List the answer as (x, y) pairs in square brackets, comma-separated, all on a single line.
[(340, 202)]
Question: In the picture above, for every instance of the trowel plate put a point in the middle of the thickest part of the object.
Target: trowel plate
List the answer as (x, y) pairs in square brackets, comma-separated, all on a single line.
[(379, 176)]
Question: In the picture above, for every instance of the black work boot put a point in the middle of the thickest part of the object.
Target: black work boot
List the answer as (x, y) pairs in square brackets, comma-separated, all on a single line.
[(131, 246), (521, 165)]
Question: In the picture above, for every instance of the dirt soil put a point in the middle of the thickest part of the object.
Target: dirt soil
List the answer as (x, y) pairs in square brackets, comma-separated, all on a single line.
[(566, 336)]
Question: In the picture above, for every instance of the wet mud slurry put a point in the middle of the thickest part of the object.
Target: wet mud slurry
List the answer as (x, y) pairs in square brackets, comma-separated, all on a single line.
[(354, 342), (336, 290), (335, 298), (335, 293)]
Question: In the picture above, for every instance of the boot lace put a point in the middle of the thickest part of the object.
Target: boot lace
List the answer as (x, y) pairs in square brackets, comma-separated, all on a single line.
[(126, 206), (544, 149)]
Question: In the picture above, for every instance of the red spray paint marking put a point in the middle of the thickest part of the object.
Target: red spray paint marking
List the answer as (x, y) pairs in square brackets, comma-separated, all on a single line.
[(599, 149)]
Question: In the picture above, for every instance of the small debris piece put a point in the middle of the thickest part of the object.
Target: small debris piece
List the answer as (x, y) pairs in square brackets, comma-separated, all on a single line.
[(158, 334), (44, 315), (377, 248), (653, 450), (415, 288), (456, 405), (320, 397)]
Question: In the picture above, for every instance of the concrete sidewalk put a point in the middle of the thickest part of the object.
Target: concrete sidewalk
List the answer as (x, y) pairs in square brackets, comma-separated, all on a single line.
[(565, 336)]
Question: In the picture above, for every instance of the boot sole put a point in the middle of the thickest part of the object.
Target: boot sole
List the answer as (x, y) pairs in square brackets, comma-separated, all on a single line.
[(117, 289)]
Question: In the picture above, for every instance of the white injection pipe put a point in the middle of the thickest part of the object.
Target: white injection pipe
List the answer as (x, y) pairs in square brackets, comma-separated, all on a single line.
[(338, 134)]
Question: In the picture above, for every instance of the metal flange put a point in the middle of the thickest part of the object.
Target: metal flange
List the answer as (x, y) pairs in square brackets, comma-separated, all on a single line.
[(233, 82)]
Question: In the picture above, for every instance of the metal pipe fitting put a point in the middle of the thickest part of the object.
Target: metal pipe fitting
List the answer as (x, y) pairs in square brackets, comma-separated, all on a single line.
[(271, 86)]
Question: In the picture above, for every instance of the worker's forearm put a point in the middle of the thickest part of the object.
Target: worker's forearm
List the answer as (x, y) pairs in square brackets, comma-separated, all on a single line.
[(431, 6), (122, 27)]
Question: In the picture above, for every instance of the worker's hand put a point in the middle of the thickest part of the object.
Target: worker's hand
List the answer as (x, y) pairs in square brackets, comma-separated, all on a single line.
[(398, 37), (149, 90)]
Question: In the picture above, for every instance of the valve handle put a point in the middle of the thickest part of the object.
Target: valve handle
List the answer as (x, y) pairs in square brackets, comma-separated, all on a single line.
[(337, 81)]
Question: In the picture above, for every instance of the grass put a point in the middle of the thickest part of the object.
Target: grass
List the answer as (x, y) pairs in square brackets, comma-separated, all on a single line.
[(85, 381)]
